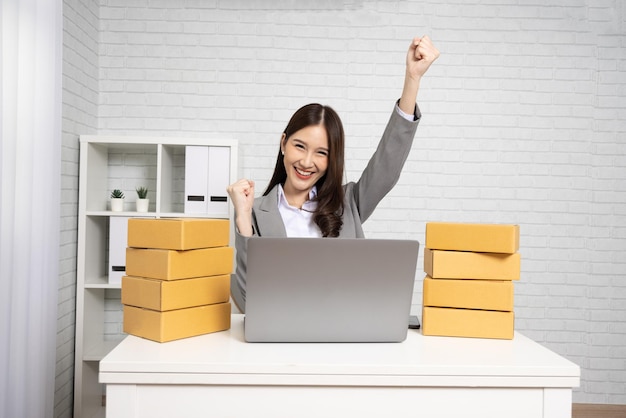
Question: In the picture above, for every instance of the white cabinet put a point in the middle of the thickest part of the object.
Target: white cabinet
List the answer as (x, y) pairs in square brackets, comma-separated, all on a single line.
[(126, 163)]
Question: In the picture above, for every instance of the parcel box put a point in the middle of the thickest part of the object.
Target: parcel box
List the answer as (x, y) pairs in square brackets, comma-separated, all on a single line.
[(469, 265), (451, 322), (167, 295), (178, 234), (484, 238), (470, 294), (177, 324), (174, 265)]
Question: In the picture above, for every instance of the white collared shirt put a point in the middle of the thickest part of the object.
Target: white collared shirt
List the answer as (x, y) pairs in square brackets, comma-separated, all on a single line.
[(299, 222)]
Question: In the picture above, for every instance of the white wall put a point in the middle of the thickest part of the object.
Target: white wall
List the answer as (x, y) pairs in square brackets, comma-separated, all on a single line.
[(524, 122), (80, 109)]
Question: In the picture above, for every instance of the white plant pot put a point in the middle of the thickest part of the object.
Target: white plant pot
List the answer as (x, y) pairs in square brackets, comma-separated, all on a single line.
[(142, 205), (117, 204)]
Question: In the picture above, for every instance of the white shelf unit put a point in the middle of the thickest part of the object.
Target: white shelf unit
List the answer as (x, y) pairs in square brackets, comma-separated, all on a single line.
[(121, 162)]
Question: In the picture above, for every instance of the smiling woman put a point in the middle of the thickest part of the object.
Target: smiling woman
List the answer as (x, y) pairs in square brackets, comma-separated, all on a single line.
[(306, 197), (309, 168)]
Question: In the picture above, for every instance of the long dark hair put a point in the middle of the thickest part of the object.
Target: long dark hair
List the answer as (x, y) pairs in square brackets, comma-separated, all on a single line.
[(330, 196)]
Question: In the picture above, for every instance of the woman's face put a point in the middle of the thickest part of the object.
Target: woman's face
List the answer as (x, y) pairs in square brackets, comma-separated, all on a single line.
[(306, 161)]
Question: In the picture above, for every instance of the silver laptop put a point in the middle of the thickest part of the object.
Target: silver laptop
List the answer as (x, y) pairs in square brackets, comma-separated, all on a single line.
[(329, 290)]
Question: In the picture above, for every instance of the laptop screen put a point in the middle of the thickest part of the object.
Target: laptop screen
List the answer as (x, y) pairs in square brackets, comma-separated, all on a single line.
[(329, 290)]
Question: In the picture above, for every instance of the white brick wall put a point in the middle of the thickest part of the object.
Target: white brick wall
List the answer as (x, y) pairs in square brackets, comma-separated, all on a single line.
[(524, 122), (80, 110)]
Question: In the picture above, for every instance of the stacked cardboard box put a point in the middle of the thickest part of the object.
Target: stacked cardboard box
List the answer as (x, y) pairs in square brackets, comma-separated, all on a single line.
[(178, 278), (468, 288)]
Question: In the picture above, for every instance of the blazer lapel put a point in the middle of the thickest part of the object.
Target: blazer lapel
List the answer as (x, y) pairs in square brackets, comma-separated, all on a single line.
[(269, 221)]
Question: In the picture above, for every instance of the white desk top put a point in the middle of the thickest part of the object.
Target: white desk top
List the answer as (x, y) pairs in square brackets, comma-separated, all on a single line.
[(225, 358)]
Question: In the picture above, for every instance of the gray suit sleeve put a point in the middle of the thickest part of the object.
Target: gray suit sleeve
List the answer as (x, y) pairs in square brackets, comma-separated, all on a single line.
[(385, 166), (238, 280)]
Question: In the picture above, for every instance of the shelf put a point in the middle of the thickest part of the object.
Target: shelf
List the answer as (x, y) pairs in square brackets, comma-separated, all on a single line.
[(103, 285), (119, 162), (130, 214), (108, 213), (117, 166), (193, 215)]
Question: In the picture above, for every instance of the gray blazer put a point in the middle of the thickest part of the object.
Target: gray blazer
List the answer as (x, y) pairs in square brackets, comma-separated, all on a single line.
[(361, 198)]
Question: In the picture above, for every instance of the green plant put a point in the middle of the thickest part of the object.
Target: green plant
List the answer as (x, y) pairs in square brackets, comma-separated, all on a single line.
[(117, 194), (142, 192)]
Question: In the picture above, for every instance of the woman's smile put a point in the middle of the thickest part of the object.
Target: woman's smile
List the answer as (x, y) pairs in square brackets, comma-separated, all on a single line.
[(303, 174)]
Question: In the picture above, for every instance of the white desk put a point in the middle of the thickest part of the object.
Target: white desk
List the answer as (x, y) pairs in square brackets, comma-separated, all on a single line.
[(220, 375)]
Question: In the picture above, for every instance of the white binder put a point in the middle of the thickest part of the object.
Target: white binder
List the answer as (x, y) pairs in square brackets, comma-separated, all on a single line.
[(196, 178), (118, 241), (207, 171), (219, 171)]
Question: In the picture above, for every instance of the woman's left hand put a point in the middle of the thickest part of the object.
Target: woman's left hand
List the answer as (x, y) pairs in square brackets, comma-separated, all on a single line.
[(422, 53)]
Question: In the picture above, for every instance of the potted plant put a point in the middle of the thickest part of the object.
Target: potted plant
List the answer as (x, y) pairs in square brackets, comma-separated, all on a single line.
[(117, 200), (142, 199)]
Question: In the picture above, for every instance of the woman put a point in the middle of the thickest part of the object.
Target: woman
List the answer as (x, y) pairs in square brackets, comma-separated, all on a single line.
[(305, 197)]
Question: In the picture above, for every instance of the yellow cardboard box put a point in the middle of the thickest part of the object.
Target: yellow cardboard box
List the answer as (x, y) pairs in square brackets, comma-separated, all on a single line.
[(469, 265), (451, 322), (177, 324), (163, 295), (493, 295), (178, 234), (174, 265), (483, 238)]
